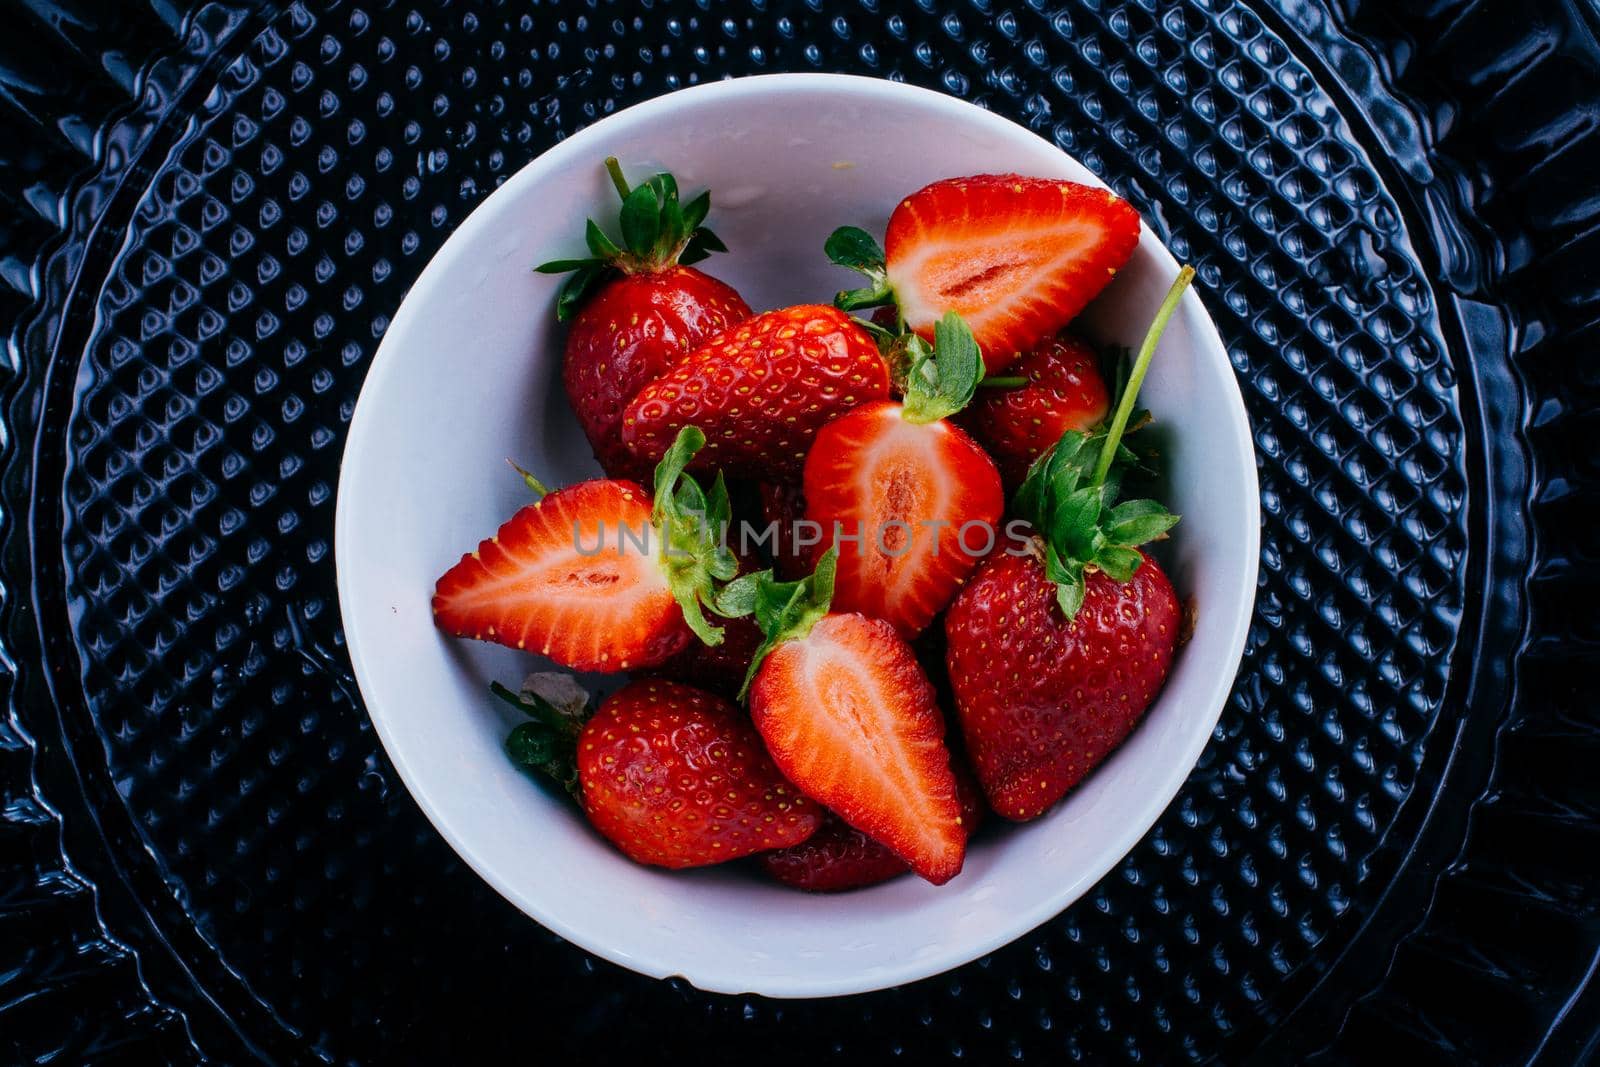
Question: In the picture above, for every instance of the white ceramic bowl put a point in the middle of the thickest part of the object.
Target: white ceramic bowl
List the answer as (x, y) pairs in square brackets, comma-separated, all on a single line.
[(468, 374)]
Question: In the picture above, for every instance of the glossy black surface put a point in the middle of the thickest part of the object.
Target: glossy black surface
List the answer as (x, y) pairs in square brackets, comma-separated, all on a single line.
[(212, 210)]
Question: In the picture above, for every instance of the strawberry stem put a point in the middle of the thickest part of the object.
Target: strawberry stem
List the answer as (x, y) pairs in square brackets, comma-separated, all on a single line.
[(1015, 381), (1147, 350), (535, 486), (614, 169)]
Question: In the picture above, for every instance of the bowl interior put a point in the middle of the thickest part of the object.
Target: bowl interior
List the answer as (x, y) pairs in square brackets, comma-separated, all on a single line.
[(468, 375)]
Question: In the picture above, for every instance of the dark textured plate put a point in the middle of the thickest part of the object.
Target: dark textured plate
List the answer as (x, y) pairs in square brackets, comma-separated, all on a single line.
[(212, 209)]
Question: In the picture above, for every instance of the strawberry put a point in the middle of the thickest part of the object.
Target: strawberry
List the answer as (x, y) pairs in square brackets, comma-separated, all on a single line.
[(761, 390), (673, 776), (839, 857), (908, 498), (1055, 653), (676, 777), (636, 309), (597, 576), (783, 504), (1059, 388), (1044, 700), (1017, 258), (850, 718)]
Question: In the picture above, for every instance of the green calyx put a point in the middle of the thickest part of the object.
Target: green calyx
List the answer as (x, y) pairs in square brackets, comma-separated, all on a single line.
[(785, 611), (854, 249), (691, 523), (937, 380), (941, 380), (657, 232), (1070, 493), (548, 741)]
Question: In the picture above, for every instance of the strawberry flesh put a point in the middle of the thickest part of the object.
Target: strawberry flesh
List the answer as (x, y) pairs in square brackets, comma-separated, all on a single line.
[(1018, 258), (1043, 701), (569, 578), (840, 857), (760, 391), (850, 718), (627, 335), (676, 777), (910, 491)]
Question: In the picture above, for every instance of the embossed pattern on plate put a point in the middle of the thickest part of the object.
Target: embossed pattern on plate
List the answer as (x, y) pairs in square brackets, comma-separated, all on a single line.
[(295, 171)]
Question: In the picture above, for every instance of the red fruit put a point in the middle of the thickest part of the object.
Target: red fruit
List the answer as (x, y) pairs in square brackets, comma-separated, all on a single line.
[(1016, 257), (839, 857), (760, 391), (1064, 392), (676, 777), (629, 333), (636, 308), (607, 608), (784, 504), (1042, 701), (850, 718), (910, 489)]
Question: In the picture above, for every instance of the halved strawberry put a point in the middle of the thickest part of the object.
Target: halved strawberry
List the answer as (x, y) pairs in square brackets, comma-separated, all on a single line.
[(839, 857), (922, 501), (1016, 257), (910, 500), (850, 718), (597, 576), (760, 390)]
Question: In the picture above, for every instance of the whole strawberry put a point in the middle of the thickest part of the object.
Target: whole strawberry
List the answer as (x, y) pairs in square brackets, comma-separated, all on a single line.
[(672, 775), (760, 390), (1059, 388), (635, 309), (1056, 651), (599, 576), (783, 507), (677, 777)]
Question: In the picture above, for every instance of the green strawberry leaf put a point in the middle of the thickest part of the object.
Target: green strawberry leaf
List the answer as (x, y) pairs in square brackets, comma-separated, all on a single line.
[(641, 221), (1070, 493), (785, 611), (854, 249), (692, 526), (548, 742), (701, 244), (535, 486), (566, 266), (1136, 521), (657, 231), (601, 245), (695, 212), (1118, 561), (943, 381), (576, 289)]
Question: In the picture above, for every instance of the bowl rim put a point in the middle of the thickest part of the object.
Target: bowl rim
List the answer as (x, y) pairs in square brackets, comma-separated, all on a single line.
[(366, 663)]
